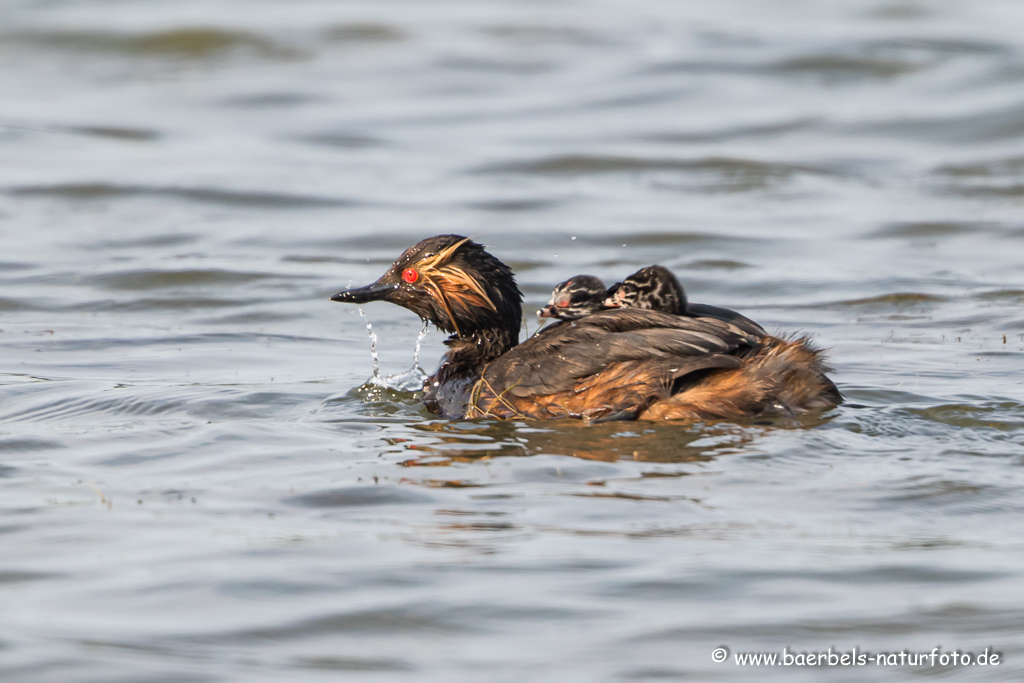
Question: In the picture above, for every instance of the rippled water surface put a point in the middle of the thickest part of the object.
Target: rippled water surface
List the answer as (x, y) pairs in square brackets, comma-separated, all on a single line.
[(196, 484)]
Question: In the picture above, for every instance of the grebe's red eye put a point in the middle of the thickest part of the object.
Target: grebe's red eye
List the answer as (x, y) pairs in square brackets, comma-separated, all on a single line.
[(410, 275)]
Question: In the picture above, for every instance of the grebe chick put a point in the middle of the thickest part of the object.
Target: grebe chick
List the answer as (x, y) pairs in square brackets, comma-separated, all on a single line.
[(655, 288), (575, 298)]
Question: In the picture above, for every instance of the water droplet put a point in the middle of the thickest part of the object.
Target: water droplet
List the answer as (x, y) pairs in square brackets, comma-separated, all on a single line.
[(373, 345), (416, 350), (410, 380), (573, 238)]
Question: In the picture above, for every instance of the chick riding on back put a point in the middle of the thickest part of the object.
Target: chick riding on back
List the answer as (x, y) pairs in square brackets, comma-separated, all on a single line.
[(575, 298)]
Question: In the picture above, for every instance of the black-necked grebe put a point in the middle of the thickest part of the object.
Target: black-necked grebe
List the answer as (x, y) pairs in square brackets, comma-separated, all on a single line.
[(621, 363)]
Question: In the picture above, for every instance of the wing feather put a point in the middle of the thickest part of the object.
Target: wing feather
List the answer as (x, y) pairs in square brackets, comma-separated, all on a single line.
[(607, 363)]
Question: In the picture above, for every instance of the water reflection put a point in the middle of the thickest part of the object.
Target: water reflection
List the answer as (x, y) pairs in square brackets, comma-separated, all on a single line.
[(469, 441)]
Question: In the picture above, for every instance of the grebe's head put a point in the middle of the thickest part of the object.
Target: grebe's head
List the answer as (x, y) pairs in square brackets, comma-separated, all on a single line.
[(575, 298), (653, 288), (454, 283)]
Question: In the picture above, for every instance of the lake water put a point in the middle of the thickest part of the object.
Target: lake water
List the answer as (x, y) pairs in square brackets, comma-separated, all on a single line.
[(195, 486)]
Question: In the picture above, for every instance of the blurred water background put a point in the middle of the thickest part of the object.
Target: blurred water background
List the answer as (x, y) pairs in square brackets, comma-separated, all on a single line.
[(196, 485)]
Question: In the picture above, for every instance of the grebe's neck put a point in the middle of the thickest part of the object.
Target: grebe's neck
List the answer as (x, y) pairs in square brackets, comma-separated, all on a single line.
[(447, 391), (468, 355)]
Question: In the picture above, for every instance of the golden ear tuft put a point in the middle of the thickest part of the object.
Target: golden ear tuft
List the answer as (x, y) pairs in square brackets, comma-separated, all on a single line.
[(441, 257), (463, 289)]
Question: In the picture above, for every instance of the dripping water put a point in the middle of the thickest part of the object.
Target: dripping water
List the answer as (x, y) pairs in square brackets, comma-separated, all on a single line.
[(373, 347), (416, 350), (411, 379), (372, 389), (387, 388)]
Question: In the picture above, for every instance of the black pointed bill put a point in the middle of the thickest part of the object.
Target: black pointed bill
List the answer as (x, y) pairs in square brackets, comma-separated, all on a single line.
[(374, 292)]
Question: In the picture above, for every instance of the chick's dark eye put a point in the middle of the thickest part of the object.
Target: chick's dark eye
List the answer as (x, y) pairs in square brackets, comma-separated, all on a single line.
[(410, 275)]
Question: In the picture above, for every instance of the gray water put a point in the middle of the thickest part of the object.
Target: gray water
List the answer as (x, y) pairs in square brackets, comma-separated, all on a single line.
[(197, 484)]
